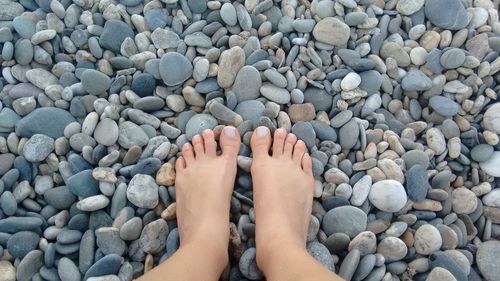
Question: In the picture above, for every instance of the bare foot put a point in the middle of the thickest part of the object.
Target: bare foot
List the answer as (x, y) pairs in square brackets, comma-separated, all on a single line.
[(204, 184), (282, 191)]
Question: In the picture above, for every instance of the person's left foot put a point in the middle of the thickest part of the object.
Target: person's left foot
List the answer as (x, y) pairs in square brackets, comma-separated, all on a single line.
[(203, 186)]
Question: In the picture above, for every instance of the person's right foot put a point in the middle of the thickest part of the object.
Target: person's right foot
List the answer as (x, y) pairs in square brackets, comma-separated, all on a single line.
[(282, 191)]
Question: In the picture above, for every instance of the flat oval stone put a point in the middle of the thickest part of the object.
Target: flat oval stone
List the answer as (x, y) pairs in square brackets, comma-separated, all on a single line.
[(175, 68), (106, 132), (21, 243), (276, 94), (444, 106), (49, 121), (491, 166), (114, 33), (388, 195), (199, 123), (447, 14), (59, 197), (247, 83), (345, 219), (487, 258), (491, 118)]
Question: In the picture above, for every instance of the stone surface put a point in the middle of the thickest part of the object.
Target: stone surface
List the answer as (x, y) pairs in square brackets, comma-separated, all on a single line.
[(427, 239), (142, 191), (346, 219), (38, 147), (47, 121), (175, 68), (486, 259), (331, 31), (388, 195)]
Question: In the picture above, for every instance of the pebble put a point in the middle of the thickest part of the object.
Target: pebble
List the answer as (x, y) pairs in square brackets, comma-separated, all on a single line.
[(392, 248), (464, 201), (486, 259), (175, 68), (274, 93), (388, 195), (29, 265), (439, 273), (350, 82), (114, 33), (47, 121), (345, 219), (491, 118), (198, 123), (416, 80), (38, 147), (427, 239), (153, 236), (417, 183), (491, 165), (230, 63), (435, 140), (446, 14), (331, 31), (8, 271), (452, 58), (319, 252), (248, 265), (142, 191), (444, 106), (106, 132), (67, 270), (348, 135), (21, 243)]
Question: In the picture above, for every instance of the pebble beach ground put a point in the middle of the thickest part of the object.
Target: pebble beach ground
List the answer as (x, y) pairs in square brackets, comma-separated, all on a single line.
[(397, 101)]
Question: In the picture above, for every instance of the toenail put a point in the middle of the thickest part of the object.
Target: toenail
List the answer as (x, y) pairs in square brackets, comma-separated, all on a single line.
[(230, 132), (206, 131), (262, 131)]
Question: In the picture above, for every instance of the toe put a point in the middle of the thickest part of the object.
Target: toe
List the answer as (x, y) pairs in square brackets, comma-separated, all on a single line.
[(298, 151), (307, 164), (260, 142), (290, 141), (198, 146), (180, 164), (210, 144), (230, 141), (188, 153), (279, 141)]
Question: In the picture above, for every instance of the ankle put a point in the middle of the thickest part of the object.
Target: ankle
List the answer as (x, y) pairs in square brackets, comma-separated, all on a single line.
[(274, 251)]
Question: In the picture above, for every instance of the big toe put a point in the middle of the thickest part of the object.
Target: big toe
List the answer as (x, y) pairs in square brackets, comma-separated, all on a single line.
[(260, 142), (230, 141)]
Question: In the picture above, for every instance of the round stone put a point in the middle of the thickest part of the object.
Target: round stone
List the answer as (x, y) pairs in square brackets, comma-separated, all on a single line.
[(21, 243), (464, 201), (49, 121), (38, 147), (392, 248), (248, 265), (7, 271), (447, 14), (444, 106), (228, 14), (492, 199), (416, 80), (409, 7), (345, 219), (491, 118), (491, 165), (142, 191), (198, 123), (175, 68), (332, 31), (435, 140), (350, 82), (440, 274), (487, 259), (106, 132), (95, 82), (481, 152), (427, 239), (417, 183), (388, 195), (143, 84), (114, 33), (452, 58), (320, 253)]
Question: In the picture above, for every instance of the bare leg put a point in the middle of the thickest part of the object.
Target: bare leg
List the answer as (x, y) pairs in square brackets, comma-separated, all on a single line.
[(283, 194), (204, 184)]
